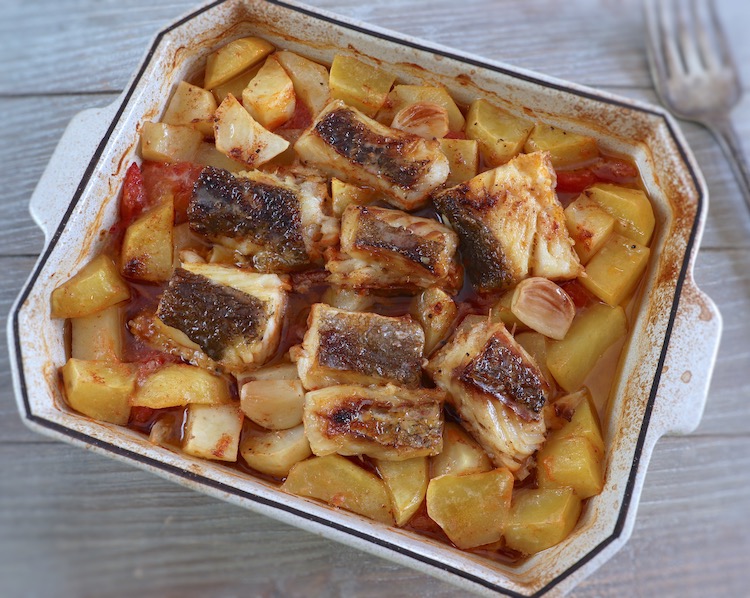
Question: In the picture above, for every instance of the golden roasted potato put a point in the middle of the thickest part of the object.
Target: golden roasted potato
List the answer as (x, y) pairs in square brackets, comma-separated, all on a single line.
[(274, 452), (584, 423), (96, 286), (340, 483), (99, 389), (435, 310), (213, 431), (631, 209), (191, 106), (565, 148), (179, 384), (500, 134), (463, 157), (359, 84), (310, 80), (614, 272), (540, 518), (345, 194), (233, 59), (471, 509), (406, 482), (570, 462), (161, 142), (461, 454), (589, 226), (98, 336), (146, 252), (236, 85), (208, 155), (270, 97)]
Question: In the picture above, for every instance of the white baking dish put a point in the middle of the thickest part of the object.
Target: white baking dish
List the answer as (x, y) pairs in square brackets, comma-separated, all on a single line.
[(663, 374)]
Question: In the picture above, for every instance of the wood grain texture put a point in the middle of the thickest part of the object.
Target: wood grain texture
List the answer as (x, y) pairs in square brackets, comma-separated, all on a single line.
[(74, 524)]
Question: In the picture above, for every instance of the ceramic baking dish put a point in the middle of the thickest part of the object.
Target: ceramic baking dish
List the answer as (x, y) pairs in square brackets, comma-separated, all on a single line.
[(663, 373)]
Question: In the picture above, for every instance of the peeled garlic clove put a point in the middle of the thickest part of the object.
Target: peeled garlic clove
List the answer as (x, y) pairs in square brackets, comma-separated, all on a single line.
[(543, 306), (425, 119)]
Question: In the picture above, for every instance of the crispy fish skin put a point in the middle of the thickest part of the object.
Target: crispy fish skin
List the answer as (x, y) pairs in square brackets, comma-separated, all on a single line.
[(511, 224), (384, 422), (269, 217), (390, 249), (496, 388), (342, 347), (233, 317), (347, 144)]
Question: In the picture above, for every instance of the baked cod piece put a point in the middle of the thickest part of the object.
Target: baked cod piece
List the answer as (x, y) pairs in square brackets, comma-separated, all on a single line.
[(342, 347), (279, 220), (347, 144), (390, 249), (496, 388), (383, 422), (218, 317), (511, 224)]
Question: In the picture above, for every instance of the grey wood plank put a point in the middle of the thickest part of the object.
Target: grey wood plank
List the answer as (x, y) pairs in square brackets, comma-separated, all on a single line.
[(83, 45), (76, 524)]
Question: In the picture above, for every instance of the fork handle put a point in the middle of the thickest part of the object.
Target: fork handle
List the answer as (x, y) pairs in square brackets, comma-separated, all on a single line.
[(730, 143)]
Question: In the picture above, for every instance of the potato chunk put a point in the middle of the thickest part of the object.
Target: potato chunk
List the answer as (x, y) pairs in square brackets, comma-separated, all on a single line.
[(344, 194), (584, 423), (275, 452), (631, 209), (593, 331), (191, 106), (461, 454), (96, 286), (435, 310), (406, 482), (472, 509), (270, 97), (161, 142), (340, 483), (359, 84), (589, 226), (541, 518), (213, 431), (273, 404), (566, 149), (571, 462), (463, 158), (98, 336), (310, 80), (99, 389), (175, 385), (616, 269), (234, 58), (147, 246), (501, 135)]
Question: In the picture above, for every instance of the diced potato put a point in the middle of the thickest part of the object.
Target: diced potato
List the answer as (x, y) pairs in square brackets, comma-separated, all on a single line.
[(405, 95), (99, 389), (593, 331), (461, 454), (541, 518), (208, 155), (147, 245), (273, 404), (96, 286), (406, 482), (237, 56), (275, 452), (435, 310), (236, 85), (310, 80), (589, 226), (463, 157), (501, 312), (279, 371), (98, 336), (359, 84), (348, 299), (191, 106), (570, 463), (345, 194), (535, 345), (631, 209), (501, 135), (565, 148), (340, 483), (176, 384), (161, 142), (472, 509), (615, 270), (241, 138), (270, 97), (213, 431), (584, 423)]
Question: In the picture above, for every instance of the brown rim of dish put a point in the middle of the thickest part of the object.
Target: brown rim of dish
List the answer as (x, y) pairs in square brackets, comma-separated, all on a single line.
[(187, 475)]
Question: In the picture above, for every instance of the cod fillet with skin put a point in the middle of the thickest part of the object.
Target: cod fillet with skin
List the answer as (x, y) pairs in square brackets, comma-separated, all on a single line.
[(212, 314), (383, 422), (343, 347), (390, 249), (277, 219), (496, 388), (345, 143), (511, 224)]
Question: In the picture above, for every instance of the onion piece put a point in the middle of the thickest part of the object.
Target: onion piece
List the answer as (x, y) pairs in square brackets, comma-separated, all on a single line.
[(543, 306), (425, 119)]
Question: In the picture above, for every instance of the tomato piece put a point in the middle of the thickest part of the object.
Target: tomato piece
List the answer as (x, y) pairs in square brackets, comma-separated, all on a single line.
[(455, 135), (141, 415), (577, 293), (575, 181), (133, 200), (162, 180), (613, 170), (301, 119)]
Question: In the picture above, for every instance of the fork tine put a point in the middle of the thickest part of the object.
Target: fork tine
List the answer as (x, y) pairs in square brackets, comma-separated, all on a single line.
[(687, 24), (720, 38), (668, 40), (706, 34), (655, 51)]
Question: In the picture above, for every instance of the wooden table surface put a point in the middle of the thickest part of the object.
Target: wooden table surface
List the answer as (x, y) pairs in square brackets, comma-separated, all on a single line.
[(77, 524)]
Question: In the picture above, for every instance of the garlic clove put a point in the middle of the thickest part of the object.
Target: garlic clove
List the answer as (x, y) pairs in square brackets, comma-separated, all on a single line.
[(425, 119), (543, 306)]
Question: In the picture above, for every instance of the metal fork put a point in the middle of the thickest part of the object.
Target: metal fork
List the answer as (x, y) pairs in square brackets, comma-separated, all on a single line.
[(694, 72)]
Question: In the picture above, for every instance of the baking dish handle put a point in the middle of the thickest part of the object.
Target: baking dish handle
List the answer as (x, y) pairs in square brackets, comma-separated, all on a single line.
[(689, 363), (67, 166)]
